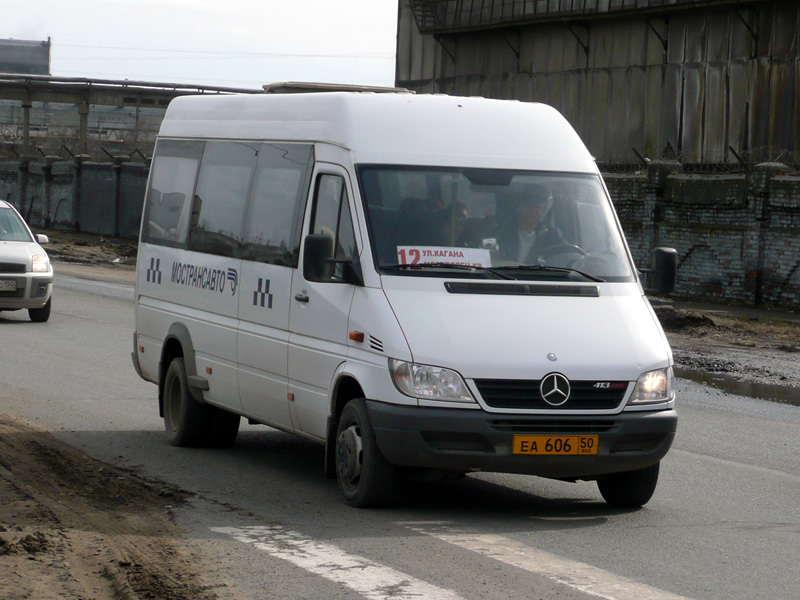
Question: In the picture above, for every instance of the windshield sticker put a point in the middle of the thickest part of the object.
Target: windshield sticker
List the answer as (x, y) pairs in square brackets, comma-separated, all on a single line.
[(204, 277), (420, 255)]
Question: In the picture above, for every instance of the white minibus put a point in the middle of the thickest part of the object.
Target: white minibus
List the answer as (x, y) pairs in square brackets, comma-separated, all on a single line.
[(427, 285)]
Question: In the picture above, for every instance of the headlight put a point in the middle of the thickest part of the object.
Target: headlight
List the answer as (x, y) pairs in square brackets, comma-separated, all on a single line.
[(654, 386), (40, 264), (429, 383)]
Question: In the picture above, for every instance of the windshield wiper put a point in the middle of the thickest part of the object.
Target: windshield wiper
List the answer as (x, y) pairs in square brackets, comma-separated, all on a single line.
[(549, 269), (439, 266)]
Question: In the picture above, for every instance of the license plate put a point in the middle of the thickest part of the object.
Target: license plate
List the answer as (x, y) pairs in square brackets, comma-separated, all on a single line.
[(559, 445), (8, 285)]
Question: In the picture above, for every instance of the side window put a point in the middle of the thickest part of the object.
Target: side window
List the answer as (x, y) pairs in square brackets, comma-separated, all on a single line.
[(331, 217), (226, 173), (168, 202), (278, 197)]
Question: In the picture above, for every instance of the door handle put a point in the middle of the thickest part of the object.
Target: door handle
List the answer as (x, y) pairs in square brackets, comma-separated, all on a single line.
[(301, 297)]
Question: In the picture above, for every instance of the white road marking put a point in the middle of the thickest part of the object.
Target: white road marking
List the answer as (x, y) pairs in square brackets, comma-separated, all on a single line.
[(577, 575), (371, 579)]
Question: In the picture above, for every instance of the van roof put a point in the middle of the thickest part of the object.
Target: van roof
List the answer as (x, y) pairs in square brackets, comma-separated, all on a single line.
[(393, 128)]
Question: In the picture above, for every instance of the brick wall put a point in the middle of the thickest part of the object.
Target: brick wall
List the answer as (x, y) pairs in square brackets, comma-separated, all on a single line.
[(737, 236)]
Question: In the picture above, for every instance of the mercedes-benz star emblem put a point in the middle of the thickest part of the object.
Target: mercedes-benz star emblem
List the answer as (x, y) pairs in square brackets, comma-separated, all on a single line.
[(554, 389)]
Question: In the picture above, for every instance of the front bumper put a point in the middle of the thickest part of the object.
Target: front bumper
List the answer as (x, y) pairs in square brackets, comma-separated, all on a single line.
[(472, 440), (31, 290)]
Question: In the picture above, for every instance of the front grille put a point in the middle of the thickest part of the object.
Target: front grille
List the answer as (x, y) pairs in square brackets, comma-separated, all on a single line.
[(562, 426), (12, 267), (18, 293), (524, 394)]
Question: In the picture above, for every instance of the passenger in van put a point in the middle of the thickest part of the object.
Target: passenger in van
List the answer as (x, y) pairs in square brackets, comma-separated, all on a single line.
[(523, 234), (448, 225), (423, 222)]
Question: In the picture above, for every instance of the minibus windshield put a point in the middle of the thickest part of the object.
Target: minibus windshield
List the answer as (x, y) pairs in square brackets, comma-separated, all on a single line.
[(500, 223)]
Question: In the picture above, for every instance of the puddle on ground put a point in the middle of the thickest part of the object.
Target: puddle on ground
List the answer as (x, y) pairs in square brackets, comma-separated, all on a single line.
[(785, 394)]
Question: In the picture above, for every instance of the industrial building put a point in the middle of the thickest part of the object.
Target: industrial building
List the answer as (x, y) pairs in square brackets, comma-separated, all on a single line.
[(704, 81), (43, 115)]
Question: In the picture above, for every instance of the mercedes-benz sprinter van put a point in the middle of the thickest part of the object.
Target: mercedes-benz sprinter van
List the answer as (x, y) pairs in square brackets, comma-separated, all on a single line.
[(422, 283)]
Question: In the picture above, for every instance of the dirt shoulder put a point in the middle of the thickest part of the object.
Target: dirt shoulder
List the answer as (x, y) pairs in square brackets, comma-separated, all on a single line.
[(73, 527), (740, 344)]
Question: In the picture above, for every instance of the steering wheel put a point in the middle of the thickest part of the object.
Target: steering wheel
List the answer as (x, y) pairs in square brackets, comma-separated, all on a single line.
[(563, 248)]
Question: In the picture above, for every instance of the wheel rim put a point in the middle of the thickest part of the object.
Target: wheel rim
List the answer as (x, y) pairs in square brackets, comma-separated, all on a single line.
[(349, 453)]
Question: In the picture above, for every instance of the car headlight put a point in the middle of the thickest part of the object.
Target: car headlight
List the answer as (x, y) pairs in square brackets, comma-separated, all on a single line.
[(654, 386), (40, 264), (429, 383)]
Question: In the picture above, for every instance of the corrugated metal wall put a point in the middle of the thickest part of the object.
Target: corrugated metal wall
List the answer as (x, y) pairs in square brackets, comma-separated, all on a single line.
[(441, 15), (688, 83)]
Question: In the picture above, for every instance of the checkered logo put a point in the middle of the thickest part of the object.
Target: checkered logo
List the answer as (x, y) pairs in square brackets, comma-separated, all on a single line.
[(154, 271), (262, 297)]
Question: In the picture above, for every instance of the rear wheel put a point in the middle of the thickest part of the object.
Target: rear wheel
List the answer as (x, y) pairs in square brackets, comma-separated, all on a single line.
[(187, 422), (40, 315), (630, 489), (364, 475)]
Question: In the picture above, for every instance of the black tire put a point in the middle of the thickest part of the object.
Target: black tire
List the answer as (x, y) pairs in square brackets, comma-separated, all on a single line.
[(631, 489), (364, 475), (40, 315), (224, 427), (186, 421)]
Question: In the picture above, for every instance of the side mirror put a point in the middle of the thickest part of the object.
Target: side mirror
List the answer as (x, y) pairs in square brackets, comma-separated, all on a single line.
[(665, 272), (317, 255), (42, 239), (319, 264)]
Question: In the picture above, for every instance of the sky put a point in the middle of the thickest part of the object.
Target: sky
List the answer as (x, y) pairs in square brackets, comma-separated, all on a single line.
[(227, 43)]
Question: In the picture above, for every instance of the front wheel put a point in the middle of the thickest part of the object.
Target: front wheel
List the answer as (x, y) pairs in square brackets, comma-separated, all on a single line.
[(630, 489), (364, 475), (40, 315)]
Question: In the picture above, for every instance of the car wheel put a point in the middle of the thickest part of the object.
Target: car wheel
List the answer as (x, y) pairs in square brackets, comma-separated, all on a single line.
[(187, 422), (40, 315), (364, 475), (631, 489), (224, 427)]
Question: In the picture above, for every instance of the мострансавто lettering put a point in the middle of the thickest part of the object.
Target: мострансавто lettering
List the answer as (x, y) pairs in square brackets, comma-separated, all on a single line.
[(200, 277)]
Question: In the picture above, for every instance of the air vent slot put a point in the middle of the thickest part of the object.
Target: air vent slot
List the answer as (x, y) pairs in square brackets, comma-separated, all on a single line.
[(521, 289), (375, 344), (563, 426)]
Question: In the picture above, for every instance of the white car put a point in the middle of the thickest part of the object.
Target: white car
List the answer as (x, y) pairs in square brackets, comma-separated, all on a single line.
[(26, 275)]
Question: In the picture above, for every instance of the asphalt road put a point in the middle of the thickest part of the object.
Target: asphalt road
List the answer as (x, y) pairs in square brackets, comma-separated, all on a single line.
[(265, 523)]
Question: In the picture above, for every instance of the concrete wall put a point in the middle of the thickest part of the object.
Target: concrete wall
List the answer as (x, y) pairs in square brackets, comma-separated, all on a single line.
[(737, 236), (103, 198)]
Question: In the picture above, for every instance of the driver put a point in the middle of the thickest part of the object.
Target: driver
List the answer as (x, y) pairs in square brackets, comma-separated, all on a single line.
[(524, 239)]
